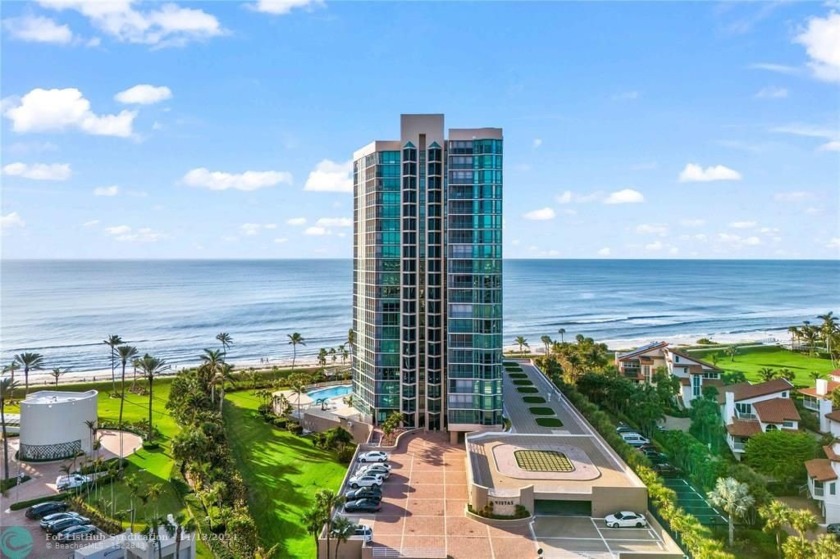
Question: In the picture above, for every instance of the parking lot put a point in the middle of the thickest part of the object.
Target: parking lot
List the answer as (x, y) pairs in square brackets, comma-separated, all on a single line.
[(559, 535)]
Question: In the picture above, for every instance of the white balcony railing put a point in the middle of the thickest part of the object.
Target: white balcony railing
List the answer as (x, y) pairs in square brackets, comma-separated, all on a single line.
[(811, 404), (738, 447), (745, 415)]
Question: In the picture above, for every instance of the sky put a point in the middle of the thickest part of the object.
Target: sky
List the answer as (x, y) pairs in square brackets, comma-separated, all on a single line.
[(226, 129)]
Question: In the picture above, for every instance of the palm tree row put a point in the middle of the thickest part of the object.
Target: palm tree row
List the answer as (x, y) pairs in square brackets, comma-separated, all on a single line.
[(827, 333)]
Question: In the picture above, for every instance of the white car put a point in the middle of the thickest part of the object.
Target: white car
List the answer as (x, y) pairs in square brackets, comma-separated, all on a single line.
[(626, 519), (377, 469), (365, 481), (373, 456), (634, 439), (73, 481), (361, 531)]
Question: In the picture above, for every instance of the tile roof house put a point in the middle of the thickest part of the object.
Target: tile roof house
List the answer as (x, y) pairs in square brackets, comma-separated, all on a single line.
[(823, 482), (749, 409), (640, 365), (818, 399)]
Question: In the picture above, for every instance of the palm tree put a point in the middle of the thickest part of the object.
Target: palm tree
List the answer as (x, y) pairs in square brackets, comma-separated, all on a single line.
[(332, 354), (152, 530), (299, 389), (776, 515), (261, 553), (342, 350), (797, 548), (766, 374), (811, 334), (546, 340), (827, 547), (183, 525), (7, 386), (11, 368), (30, 362), (786, 374), (314, 520), (56, 374), (562, 332), (327, 500), (126, 352), (295, 340), (734, 498), (211, 361), (342, 529), (803, 521), (151, 367), (828, 330), (113, 341), (153, 493), (226, 341), (133, 486), (322, 357), (223, 376), (522, 342), (795, 336)]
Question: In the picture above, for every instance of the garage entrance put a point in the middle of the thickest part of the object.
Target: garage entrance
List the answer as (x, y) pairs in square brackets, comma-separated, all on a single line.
[(562, 508)]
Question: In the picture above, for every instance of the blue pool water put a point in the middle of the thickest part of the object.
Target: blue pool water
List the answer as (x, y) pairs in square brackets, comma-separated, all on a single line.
[(331, 392)]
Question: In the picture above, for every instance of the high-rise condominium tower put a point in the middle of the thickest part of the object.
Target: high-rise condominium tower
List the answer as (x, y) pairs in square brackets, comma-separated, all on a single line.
[(427, 276)]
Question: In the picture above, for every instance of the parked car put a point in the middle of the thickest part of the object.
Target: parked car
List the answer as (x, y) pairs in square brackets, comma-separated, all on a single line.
[(665, 468), (634, 439), (36, 512), (626, 519), (76, 533), (73, 481), (624, 428), (372, 492), (365, 481), (833, 528), (50, 518), (362, 505), (360, 530), (373, 456), (375, 469), (64, 523)]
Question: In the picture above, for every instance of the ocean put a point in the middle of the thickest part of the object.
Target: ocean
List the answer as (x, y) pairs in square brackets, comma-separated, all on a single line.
[(174, 309)]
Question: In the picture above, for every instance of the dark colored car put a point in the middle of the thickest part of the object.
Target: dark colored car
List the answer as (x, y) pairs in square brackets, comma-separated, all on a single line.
[(833, 528), (374, 493), (76, 533), (36, 512), (50, 518), (665, 468), (64, 523), (362, 505)]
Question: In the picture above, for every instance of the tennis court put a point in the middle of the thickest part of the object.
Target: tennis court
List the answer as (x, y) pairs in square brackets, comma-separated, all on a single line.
[(694, 503)]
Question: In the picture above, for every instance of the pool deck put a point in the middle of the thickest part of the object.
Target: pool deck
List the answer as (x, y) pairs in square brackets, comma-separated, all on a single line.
[(307, 403)]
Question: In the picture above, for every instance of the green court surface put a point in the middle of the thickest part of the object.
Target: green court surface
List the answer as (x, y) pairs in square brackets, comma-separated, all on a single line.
[(694, 503)]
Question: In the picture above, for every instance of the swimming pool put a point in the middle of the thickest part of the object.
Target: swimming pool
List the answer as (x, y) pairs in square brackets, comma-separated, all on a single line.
[(331, 392)]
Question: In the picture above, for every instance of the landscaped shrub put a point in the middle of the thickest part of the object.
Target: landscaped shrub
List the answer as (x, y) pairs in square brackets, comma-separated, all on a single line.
[(523, 382), (26, 504), (541, 411), (533, 399), (517, 375), (280, 422), (104, 523), (487, 512), (151, 445), (548, 422), (295, 428), (527, 389), (345, 454), (11, 482), (92, 468)]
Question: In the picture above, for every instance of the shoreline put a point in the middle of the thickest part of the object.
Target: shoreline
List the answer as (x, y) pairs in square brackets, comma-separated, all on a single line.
[(761, 337)]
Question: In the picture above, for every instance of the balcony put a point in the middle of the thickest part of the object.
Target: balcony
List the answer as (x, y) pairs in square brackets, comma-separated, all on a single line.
[(738, 446), (745, 415), (818, 492), (811, 404)]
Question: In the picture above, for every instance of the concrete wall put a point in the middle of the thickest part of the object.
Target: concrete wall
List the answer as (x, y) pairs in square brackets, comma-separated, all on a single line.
[(351, 549), (316, 423), (607, 500)]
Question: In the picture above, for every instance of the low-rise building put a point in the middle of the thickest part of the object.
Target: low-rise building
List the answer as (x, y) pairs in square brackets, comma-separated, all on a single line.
[(130, 545), (818, 400), (823, 480), (641, 364), (749, 409)]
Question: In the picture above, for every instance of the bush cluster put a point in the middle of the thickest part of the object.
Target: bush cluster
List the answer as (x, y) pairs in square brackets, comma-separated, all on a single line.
[(487, 512), (101, 521)]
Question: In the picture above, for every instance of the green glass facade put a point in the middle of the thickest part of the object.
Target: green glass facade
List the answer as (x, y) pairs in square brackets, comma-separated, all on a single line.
[(427, 290)]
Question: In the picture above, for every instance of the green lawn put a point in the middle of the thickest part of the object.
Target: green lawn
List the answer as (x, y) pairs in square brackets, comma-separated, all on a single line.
[(751, 360), (282, 471)]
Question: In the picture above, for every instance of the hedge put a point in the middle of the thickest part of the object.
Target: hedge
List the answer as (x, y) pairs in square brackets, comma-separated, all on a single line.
[(533, 399), (523, 382), (548, 422), (527, 389), (26, 504), (541, 411)]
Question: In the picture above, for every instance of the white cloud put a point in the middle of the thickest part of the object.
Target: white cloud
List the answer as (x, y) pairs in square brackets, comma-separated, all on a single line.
[(564, 198), (540, 215), (692, 222), (537, 143), (283, 7), (743, 224), (772, 92), (821, 40), (124, 233), (625, 196), (91, 223), (696, 173), (165, 25), (833, 145), (296, 221), (11, 220), (654, 246), (247, 181), (334, 222), (280, 240), (796, 196), (808, 130), (46, 110), (39, 171), (106, 191), (316, 231), (833, 243), (36, 29), (737, 240), (605, 251), (250, 229), (143, 94), (752, 241), (778, 68), (652, 229), (330, 176)]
